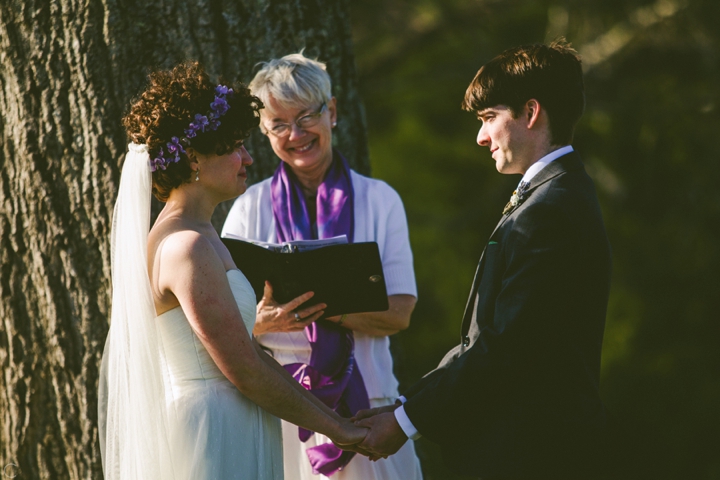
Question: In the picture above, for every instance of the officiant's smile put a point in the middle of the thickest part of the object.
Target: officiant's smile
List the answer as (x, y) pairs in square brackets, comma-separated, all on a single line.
[(301, 136)]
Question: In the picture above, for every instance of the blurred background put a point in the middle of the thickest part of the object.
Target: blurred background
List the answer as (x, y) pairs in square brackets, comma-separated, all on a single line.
[(649, 138)]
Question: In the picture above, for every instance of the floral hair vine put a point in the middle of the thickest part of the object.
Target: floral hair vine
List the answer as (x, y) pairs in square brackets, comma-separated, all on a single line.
[(201, 124)]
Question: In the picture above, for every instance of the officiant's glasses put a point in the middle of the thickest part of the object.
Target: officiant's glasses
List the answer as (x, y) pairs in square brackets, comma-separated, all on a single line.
[(282, 130)]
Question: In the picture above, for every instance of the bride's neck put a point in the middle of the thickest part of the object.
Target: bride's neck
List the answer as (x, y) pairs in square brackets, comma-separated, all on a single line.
[(189, 204)]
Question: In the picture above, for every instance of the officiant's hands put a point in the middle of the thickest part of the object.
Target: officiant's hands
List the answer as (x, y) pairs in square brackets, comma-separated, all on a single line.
[(275, 317)]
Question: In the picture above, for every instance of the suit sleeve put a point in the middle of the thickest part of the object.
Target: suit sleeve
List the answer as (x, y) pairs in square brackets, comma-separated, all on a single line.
[(433, 375)]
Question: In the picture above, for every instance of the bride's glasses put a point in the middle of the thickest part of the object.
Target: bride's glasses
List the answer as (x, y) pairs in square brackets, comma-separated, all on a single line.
[(282, 130)]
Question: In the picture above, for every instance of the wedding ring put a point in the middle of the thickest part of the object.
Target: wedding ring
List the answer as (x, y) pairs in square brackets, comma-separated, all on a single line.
[(297, 317)]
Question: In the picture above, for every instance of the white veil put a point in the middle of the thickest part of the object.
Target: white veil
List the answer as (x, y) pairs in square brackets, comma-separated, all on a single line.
[(132, 413)]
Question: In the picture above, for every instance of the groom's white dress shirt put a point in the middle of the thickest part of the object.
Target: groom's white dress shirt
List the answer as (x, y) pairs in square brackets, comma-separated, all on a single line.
[(403, 420), (544, 162)]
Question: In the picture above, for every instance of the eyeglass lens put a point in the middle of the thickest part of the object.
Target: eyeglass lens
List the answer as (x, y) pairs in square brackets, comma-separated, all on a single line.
[(306, 121)]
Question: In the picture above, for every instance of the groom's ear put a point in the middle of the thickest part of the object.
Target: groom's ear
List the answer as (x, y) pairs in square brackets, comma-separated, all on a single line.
[(532, 111)]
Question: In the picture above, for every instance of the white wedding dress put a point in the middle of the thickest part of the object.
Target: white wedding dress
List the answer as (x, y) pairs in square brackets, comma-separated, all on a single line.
[(214, 431), (165, 410)]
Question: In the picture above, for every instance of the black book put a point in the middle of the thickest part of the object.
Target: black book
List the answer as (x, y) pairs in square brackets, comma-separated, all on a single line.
[(348, 277)]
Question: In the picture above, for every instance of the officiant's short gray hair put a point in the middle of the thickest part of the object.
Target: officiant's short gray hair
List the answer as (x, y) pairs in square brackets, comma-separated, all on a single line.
[(293, 81)]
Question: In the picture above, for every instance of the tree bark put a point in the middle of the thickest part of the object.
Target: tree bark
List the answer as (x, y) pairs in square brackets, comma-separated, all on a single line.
[(68, 71)]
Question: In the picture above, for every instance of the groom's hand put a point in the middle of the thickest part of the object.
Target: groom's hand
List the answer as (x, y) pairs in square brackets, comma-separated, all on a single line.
[(385, 436), (371, 412), (352, 445), (356, 448)]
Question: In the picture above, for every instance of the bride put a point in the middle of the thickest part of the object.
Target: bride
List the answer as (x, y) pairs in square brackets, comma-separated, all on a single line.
[(185, 391)]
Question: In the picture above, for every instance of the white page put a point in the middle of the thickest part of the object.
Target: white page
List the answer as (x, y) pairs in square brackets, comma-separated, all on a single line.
[(294, 245)]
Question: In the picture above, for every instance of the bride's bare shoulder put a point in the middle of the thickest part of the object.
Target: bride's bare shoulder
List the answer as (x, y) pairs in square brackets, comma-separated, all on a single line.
[(180, 245), (176, 258)]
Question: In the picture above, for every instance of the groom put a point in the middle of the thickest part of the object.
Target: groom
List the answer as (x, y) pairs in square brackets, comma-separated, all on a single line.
[(518, 398)]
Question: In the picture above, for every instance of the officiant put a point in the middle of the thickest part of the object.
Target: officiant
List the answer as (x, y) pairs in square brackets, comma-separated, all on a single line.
[(314, 194)]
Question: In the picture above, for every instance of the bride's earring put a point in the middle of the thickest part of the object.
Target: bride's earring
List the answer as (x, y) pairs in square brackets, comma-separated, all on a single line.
[(197, 175)]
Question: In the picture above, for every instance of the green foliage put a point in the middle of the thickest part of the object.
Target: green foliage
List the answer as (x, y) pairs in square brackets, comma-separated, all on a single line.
[(649, 139)]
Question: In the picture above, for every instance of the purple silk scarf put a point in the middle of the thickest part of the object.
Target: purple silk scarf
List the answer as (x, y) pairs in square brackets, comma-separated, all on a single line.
[(332, 374)]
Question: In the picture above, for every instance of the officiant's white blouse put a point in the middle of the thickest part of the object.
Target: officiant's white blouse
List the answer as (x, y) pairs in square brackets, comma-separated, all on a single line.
[(379, 217)]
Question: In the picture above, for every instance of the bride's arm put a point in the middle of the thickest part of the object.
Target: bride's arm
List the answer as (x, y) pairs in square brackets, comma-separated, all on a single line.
[(286, 375), (191, 270)]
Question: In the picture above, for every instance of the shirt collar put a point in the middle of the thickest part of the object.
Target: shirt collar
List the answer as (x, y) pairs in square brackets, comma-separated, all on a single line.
[(545, 161)]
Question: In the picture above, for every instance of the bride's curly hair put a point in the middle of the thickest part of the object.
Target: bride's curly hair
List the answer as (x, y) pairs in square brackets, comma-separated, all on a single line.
[(168, 105)]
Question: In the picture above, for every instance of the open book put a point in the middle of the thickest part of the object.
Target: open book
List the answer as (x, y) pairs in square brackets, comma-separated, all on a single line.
[(348, 277), (293, 245)]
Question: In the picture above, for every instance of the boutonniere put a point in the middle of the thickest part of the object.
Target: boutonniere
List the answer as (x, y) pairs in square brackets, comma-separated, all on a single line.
[(518, 196)]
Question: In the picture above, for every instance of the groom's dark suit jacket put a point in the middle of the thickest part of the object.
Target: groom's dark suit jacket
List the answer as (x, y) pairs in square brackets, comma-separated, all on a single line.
[(518, 398)]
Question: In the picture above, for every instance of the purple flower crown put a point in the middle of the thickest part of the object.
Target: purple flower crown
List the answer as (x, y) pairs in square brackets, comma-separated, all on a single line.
[(201, 124)]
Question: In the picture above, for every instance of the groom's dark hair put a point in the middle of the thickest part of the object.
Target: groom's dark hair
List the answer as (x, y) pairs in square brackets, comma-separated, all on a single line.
[(550, 74)]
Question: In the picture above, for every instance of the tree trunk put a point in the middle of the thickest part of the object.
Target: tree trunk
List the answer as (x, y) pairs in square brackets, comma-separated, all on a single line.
[(68, 71)]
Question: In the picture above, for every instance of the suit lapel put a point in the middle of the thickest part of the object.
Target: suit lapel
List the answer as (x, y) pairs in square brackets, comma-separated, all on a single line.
[(502, 220), (566, 163), (467, 314)]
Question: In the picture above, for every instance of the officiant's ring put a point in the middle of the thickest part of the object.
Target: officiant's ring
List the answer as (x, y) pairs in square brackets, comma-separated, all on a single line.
[(297, 317)]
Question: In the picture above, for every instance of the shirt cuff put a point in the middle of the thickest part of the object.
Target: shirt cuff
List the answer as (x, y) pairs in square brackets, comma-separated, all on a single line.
[(405, 423)]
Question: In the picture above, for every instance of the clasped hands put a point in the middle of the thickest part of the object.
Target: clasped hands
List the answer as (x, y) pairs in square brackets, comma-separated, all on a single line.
[(384, 436)]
